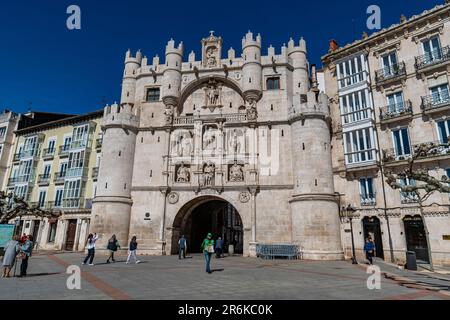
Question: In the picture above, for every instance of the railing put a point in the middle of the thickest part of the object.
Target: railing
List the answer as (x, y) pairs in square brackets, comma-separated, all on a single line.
[(272, 251), (75, 203), (17, 157), (95, 172), (44, 178), (418, 151), (409, 197), (29, 153), (80, 144), (230, 117), (368, 201), (357, 115), (59, 177), (352, 79), (435, 101), (49, 152), (76, 172), (21, 179), (396, 110), (64, 150), (435, 57), (392, 72), (360, 157)]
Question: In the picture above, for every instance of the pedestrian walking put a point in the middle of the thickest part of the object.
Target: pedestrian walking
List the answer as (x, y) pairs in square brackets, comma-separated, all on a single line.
[(208, 249), (369, 249), (113, 246), (219, 248), (132, 251), (182, 245), (26, 251), (90, 246), (11, 250)]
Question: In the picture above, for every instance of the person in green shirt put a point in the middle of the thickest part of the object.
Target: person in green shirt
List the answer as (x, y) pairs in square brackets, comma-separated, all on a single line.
[(208, 249)]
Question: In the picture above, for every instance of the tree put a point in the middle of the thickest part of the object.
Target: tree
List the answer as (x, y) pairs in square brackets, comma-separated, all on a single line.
[(12, 207), (425, 184)]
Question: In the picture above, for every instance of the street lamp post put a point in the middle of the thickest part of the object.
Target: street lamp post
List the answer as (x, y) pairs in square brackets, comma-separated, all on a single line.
[(348, 212)]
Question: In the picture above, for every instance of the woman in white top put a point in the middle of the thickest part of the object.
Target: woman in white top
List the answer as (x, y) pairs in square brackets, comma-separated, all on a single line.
[(90, 245)]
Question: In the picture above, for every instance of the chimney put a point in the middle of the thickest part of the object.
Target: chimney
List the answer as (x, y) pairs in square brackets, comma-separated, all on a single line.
[(333, 46)]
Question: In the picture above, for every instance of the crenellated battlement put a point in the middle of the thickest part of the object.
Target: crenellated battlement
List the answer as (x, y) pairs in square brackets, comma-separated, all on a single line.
[(124, 116), (248, 40), (171, 48), (129, 58), (310, 106), (292, 48)]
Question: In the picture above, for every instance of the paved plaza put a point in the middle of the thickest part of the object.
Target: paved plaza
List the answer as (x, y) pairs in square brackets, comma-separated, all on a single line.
[(234, 278)]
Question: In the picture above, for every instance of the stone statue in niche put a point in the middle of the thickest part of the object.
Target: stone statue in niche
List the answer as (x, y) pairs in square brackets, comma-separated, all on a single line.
[(168, 113), (211, 60), (234, 142), (252, 113), (183, 175), (213, 95), (209, 139), (184, 144), (236, 173), (207, 177)]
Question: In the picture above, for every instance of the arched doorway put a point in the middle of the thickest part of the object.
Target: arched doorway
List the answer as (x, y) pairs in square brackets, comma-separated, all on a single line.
[(372, 229), (416, 239), (208, 214)]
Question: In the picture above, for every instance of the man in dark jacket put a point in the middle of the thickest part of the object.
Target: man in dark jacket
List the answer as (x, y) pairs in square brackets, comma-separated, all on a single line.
[(182, 244), (26, 249)]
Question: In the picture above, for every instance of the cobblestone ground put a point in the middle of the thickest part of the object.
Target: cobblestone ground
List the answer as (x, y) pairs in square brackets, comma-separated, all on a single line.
[(234, 278)]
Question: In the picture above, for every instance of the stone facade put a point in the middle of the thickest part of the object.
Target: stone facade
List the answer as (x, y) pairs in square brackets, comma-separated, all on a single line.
[(249, 131), (390, 93)]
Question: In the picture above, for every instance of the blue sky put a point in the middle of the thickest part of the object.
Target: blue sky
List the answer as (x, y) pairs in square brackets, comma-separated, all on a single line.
[(44, 64)]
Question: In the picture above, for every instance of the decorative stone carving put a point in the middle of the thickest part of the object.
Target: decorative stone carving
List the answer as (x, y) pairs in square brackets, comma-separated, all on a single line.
[(168, 113), (183, 175), (212, 50), (213, 95), (209, 138), (183, 146), (252, 112), (244, 197), (173, 197), (207, 177), (234, 142), (236, 174)]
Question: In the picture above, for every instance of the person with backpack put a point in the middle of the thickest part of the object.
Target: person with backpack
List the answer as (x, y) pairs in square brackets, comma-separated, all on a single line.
[(113, 245), (132, 251)]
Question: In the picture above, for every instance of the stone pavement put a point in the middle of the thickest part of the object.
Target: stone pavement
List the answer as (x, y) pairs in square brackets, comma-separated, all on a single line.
[(235, 278)]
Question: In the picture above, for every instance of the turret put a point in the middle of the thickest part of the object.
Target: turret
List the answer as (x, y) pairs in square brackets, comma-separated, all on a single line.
[(132, 64), (314, 207), (252, 68), (298, 59), (172, 74), (112, 204)]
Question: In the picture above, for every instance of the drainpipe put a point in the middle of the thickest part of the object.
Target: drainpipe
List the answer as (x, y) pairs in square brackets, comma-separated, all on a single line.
[(381, 168)]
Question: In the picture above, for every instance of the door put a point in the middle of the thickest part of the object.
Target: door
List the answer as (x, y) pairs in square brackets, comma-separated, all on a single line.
[(70, 234), (415, 238), (389, 63), (35, 233), (395, 103), (372, 229)]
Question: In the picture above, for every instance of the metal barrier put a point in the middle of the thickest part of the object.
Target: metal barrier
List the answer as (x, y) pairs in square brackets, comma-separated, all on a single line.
[(272, 251)]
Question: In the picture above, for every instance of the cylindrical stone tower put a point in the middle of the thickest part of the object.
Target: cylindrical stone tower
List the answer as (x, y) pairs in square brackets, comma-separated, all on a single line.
[(298, 59), (251, 68), (314, 206), (172, 74)]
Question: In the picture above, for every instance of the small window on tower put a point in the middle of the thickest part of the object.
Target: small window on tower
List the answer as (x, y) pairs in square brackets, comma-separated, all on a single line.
[(152, 94), (273, 83)]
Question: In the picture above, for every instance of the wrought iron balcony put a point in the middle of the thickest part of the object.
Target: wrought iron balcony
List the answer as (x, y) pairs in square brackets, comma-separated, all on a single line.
[(32, 153), (397, 111), (391, 73), (419, 151), (48, 153), (368, 200), (17, 157), (77, 172), (436, 102), (75, 203), (390, 155), (409, 197), (433, 59), (59, 177), (44, 179), (64, 150)]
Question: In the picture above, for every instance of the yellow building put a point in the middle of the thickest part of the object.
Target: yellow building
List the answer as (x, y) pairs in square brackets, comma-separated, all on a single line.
[(55, 166)]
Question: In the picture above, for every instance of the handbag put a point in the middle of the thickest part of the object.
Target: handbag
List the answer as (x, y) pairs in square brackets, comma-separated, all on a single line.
[(210, 248)]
